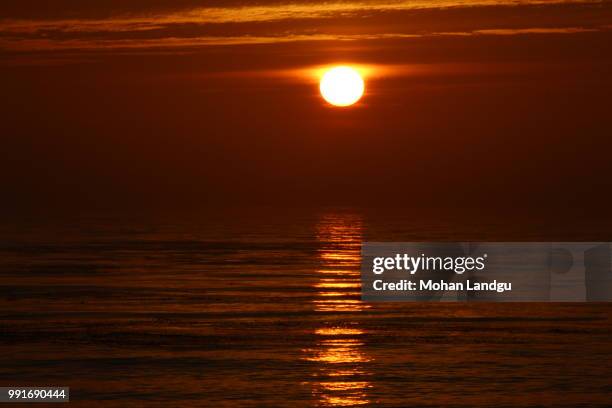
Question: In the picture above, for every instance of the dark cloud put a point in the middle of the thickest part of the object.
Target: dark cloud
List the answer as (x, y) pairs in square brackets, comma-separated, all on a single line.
[(181, 28), (92, 9)]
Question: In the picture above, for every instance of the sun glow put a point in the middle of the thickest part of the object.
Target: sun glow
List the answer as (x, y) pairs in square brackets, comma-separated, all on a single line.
[(342, 86)]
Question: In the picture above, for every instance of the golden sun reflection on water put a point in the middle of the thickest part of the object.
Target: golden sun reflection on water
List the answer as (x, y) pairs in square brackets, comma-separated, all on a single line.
[(341, 375)]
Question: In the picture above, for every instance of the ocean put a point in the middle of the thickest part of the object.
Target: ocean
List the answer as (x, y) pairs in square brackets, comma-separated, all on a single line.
[(247, 308)]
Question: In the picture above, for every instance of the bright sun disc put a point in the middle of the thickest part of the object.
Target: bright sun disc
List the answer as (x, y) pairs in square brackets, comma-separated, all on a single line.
[(342, 86)]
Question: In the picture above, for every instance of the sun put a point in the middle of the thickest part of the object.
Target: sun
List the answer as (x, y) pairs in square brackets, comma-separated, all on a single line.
[(342, 86)]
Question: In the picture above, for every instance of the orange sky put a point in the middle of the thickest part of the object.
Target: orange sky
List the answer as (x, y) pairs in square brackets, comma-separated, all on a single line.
[(195, 102)]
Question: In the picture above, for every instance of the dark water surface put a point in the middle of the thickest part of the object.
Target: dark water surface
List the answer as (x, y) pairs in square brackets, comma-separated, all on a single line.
[(253, 310)]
